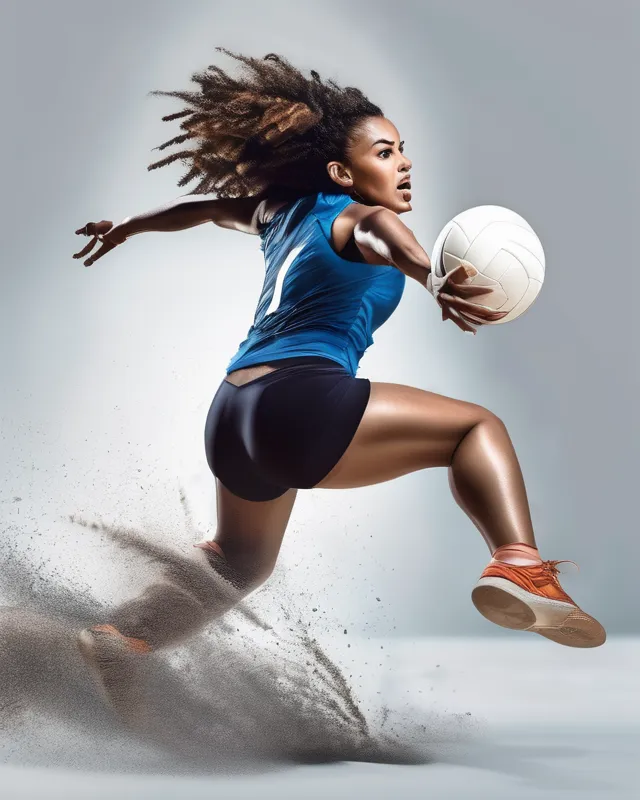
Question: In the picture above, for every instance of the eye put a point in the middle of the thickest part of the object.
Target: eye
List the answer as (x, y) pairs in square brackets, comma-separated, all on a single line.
[(388, 150)]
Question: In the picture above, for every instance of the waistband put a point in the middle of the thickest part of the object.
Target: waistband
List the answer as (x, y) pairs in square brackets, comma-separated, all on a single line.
[(285, 362), (290, 368), (291, 361)]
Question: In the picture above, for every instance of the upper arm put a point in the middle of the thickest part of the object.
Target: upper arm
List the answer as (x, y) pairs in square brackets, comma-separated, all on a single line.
[(382, 231), (347, 225), (245, 214), (379, 225)]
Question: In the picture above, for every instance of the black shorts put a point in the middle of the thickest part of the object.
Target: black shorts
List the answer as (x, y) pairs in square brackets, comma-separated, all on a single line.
[(284, 430)]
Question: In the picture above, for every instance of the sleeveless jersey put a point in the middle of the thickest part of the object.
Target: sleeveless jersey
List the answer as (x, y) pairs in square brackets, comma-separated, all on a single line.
[(313, 301)]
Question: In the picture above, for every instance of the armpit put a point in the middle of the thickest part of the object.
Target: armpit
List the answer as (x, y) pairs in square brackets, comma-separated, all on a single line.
[(265, 212)]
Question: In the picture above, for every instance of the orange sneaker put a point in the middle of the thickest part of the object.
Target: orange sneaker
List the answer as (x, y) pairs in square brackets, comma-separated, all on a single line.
[(530, 598), (128, 643), (108, 654)]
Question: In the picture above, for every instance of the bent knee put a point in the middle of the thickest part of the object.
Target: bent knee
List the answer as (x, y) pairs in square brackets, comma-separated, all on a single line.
[(480, 419), (482, 416), (245, 577), (259, 575), (489, 418)]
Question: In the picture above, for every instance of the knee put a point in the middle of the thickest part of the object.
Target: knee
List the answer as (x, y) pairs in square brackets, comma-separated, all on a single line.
[(482, 416), (257, 575), (489, 418), (248, 579), (480, 420), (244, 574)]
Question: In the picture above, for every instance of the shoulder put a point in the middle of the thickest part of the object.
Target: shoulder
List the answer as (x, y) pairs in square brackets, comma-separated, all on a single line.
[(345, 223), (339, 216)]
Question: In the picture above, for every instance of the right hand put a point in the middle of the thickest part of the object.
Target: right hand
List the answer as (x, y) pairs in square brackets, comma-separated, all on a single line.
[(452, 295), (105, 232)]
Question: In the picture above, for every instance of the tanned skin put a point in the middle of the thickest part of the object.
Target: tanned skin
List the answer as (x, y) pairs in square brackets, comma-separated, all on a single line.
[(403, 429)]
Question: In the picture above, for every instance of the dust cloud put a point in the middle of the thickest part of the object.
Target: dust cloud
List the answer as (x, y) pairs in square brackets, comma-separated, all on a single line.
[(240, 695)]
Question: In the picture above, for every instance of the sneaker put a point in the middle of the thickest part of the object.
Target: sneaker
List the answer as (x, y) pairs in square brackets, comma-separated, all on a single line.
[(110, 657), (530, 598)]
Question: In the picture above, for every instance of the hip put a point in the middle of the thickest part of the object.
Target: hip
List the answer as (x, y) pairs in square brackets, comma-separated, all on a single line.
[(284, 428)]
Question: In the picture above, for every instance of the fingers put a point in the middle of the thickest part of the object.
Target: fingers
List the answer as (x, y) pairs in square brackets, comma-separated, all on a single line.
[(95, 228), (87, 249), (458, 290), (459, 310), (458, 319), (479, 320), (461, 273), (458, 276), (469, 290), (106, 247), (475, 319), (462, 323), (484, 313)]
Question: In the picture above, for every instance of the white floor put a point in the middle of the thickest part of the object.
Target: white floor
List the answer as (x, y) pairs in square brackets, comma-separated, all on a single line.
[(515, 717)]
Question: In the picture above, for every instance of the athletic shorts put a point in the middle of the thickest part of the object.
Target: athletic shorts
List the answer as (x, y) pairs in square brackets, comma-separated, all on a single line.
[(284, 430)]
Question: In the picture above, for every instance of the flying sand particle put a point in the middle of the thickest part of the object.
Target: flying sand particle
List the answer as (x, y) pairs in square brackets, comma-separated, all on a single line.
[(240, 695)]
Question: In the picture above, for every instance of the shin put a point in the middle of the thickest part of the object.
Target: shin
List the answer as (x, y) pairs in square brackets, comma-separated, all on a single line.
[(487, 483), (172, 610)]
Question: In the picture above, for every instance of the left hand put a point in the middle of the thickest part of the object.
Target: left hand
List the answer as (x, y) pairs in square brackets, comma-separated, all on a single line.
[(105, 233), (452, 295)]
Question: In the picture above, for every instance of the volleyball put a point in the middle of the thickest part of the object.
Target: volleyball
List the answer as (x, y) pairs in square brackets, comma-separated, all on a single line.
[(505, 250)]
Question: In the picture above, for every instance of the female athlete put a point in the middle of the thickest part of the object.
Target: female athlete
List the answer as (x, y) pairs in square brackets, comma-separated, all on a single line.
[(321, 176)]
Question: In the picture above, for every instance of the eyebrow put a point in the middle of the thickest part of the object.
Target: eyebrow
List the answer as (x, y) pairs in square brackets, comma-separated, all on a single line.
[(386, 141)]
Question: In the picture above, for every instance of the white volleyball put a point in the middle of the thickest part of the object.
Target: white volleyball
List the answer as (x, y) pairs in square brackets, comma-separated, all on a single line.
[(505, 250)]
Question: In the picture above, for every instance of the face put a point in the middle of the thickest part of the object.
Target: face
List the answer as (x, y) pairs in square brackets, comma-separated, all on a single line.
[(375, 166)]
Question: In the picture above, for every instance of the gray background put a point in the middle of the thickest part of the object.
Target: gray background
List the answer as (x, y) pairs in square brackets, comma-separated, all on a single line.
[(108, 372)]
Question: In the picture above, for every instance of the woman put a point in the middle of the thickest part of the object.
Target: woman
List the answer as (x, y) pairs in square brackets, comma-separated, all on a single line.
[(321, 176)]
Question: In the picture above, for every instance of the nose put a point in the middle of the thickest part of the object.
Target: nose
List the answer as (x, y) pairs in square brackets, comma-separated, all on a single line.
[(406, 164)]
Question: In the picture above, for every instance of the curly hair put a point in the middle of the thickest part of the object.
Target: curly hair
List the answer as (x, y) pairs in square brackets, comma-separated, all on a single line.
[(270, 130)]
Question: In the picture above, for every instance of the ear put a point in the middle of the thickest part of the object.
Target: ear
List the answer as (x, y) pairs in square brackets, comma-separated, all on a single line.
[(339, 174)]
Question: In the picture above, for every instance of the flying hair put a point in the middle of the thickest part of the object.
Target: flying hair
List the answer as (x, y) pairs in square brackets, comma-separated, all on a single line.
[(269, 130)]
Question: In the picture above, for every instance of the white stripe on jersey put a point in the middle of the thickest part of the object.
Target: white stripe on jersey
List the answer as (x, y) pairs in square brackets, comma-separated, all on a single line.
[(282, 273)]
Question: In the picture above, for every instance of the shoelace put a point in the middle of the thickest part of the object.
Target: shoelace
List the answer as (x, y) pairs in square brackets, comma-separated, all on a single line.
[(550, 570), (551, 565)]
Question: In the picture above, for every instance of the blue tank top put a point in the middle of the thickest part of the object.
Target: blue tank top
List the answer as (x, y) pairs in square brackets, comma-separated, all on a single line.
[(313, 301)]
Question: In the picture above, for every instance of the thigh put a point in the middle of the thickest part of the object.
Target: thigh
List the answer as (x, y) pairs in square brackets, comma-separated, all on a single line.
[(250, 533), (403, 430)]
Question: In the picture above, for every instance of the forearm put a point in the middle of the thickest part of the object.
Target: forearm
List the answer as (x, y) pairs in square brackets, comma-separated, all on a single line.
[(387, 235), (184, 212)]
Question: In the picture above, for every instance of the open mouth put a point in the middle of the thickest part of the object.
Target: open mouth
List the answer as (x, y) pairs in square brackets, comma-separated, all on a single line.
[(405, 188)]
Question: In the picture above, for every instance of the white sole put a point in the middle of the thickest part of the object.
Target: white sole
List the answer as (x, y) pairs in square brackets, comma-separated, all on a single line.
[(506, 604)]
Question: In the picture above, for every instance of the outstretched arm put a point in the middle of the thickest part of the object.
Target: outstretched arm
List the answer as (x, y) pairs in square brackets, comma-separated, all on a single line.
[(190, 210), (382, 231), (240, 214)]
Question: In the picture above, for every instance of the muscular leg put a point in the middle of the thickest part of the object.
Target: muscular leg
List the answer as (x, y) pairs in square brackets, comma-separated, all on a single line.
[(195, 591), (250, 535), (405, 429)]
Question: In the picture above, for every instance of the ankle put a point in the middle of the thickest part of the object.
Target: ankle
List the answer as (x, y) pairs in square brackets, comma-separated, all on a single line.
[(517, 553)]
